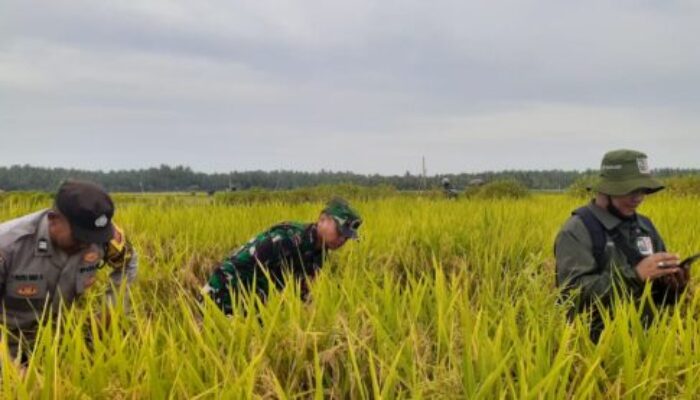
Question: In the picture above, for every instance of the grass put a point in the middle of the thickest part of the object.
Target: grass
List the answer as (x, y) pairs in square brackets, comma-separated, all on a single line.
[(440, 299)]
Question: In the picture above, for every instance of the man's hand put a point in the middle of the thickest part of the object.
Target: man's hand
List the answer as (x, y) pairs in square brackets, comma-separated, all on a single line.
[(677, 281), (658, 265)]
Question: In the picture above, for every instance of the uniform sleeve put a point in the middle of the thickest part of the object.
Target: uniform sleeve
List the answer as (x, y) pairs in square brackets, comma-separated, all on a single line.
[(279, 252), (273, 248), (667, 290), (219, 286), (3, 272), (121, 256), (127, 269), (309, 275), (119, 275), (577, 268)]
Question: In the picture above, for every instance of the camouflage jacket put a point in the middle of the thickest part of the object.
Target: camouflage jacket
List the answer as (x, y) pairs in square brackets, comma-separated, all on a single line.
[(289, 249)]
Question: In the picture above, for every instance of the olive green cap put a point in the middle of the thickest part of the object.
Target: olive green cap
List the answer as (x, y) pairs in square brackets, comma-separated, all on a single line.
[(623, 172), (347, 219)]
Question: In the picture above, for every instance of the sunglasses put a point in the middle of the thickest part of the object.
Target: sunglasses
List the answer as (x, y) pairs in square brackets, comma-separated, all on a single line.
[(351, 225)]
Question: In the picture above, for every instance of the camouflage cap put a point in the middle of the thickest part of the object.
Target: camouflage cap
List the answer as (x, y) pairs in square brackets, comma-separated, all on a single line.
[(623, 172), (347, 219)]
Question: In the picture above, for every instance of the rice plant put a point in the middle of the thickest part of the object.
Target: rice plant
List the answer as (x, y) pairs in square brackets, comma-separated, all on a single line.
[(439, 299)]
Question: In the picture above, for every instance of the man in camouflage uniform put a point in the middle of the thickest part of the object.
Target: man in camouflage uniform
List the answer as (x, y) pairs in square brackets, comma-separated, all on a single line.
[(51, 257), (287, 249), (607, 244)]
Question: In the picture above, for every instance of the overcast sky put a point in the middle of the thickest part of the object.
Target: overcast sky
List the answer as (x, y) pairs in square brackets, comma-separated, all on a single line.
[(363, 85)]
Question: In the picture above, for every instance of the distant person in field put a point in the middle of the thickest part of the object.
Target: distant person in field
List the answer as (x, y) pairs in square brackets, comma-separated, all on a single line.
[(448, 190), (289, 249), (607, 245), (51, 257)]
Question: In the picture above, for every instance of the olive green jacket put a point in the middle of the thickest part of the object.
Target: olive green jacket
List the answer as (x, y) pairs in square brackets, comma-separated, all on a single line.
[(577, 267)]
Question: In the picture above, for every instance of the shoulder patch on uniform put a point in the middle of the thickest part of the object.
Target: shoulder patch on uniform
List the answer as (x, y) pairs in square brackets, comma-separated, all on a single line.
[(91, 257), (42, 245)]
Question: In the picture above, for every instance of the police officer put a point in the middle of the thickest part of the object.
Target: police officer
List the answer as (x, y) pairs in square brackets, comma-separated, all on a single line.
[(607, 244), (287, 249), (51, 257)]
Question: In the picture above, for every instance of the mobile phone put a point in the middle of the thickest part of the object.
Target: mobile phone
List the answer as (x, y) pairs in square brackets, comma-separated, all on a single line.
[(685, 264)]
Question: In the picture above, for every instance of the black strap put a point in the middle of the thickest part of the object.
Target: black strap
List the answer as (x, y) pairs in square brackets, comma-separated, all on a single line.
[(598, 237), (633, 256), (597, 232)]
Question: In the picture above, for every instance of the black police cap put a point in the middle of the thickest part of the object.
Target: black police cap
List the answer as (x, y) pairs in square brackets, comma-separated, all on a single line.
[(89, 210)]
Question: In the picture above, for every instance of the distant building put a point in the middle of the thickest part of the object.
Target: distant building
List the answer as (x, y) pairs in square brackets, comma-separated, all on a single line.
[(476, 182)]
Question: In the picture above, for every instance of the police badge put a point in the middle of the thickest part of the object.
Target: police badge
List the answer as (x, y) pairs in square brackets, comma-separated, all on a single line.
[(645, 246)]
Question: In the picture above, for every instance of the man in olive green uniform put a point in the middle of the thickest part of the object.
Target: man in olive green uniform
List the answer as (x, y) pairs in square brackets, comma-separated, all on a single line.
[(607, 244), (51, 257), (289, 249)]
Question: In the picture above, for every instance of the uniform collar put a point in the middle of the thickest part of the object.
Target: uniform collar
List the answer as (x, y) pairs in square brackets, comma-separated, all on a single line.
[(42, 244), (609, 220), (311, 235), (43, 247)]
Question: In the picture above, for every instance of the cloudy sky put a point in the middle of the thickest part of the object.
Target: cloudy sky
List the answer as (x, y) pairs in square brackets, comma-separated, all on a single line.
[(363, 85)]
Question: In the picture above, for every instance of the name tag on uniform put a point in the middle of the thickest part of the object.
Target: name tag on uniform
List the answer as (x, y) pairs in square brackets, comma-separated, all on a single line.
[(645, 246)]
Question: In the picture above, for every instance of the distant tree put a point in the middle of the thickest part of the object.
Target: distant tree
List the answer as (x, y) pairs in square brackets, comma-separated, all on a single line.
[(181, 178)]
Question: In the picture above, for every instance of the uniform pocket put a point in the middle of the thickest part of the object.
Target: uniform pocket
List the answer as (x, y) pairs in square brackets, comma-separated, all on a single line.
[(86, 277), (26, 295)]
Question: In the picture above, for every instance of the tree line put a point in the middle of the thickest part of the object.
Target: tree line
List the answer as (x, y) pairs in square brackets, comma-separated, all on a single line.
[(181, 178)]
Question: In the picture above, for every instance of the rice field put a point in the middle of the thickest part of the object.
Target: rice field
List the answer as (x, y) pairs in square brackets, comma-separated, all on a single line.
[(440, 299)]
